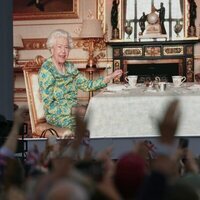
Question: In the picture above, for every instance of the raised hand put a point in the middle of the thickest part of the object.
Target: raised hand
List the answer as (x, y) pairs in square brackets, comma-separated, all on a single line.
[(115, 75), (169, 124), (19, 118), (20, 115)]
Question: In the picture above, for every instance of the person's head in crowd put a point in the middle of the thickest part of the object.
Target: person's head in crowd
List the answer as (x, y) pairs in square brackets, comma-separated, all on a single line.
[(67, 190), (181, 191), (129, 174), (191, 180), (93, 169), (13, 173)]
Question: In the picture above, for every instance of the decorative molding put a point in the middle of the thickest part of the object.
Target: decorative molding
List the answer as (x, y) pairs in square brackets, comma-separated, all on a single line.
[(20, 99), (153, 51), (101, 13), (40, 43), (34, 43), (116, 66), (84, 43), (189, 50), (189, 69), (132, 51), (173, 50), (19, 90), (116, 52)]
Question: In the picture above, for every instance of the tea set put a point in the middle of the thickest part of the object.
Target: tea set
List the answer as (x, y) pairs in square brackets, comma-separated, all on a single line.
[(156, 84)]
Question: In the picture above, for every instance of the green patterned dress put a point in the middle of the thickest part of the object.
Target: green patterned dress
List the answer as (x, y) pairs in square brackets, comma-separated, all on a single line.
[(59, 92)]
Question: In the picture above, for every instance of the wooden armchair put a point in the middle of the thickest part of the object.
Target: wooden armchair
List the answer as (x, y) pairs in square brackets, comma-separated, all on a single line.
[(36, 111)]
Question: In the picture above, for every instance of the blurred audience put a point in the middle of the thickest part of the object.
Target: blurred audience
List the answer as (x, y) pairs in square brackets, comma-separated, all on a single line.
[(129, 175), (63, 171), (12, 174)]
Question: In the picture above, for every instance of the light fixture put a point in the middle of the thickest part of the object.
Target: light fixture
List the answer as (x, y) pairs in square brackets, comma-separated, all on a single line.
[(92, 34), (17, 44)]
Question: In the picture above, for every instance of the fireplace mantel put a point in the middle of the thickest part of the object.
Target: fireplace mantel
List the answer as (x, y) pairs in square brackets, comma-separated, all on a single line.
[(161, 42), (124, 51)]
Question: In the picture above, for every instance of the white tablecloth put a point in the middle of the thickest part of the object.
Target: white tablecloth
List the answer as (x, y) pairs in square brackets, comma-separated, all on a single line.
[(134, 112)]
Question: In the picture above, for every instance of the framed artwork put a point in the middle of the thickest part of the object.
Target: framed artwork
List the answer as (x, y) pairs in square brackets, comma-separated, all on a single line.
[(45, 9)]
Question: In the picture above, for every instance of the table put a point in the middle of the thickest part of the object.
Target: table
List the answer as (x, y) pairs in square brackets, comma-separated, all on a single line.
[(134, 112)]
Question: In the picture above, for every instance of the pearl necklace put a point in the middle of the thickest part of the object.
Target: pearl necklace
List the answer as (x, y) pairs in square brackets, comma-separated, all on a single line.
[(59, 68)]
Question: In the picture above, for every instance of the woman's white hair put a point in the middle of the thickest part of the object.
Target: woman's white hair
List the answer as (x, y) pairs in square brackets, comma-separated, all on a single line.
[(54, 35)]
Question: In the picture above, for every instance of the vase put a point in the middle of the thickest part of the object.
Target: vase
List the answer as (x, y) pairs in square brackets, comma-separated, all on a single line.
[(178, 28), (128, 29)]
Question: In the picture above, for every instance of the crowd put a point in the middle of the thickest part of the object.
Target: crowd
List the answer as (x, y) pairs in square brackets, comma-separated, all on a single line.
[(63, 172)]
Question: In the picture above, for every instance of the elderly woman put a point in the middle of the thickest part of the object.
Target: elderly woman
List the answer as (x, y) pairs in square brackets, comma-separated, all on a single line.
[(59, 81)]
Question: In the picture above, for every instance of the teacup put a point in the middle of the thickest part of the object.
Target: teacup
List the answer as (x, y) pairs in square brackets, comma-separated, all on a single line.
[(178, 80), (132, 80), (157, 79)]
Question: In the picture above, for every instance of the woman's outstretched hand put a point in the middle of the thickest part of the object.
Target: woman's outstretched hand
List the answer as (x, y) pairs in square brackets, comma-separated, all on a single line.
[(116, 74)]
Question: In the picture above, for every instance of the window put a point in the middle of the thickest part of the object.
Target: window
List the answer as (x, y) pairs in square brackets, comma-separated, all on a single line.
[(134, 10)]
